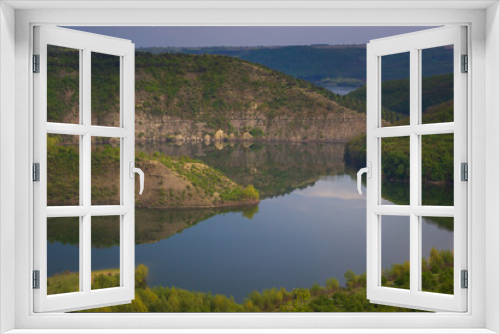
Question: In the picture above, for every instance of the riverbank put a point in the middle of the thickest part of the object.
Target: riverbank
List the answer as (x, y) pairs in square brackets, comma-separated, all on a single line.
[(188, 183), (246, 139), (330, 297), (170, 182)]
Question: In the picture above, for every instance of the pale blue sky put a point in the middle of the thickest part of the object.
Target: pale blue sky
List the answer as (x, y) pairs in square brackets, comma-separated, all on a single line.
[(247, 36)]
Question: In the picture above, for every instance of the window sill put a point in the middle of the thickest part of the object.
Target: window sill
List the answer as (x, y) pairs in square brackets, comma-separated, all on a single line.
[(256, 331)]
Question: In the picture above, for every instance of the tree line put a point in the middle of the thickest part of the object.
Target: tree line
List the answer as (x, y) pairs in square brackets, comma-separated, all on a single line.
[(437, 276)]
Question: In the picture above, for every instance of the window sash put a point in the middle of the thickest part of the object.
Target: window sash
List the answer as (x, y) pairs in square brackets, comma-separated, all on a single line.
[(85, 298), (413, 43)]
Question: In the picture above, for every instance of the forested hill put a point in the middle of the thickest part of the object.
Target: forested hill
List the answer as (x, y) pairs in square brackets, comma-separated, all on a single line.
[(435, 90), (437, 94), (336, 65), (196, 95), (313, 63), (186, 96)]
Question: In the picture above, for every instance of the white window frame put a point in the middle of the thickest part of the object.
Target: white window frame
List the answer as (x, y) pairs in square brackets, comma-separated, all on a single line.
[(85, 44), (413, 44), (482, 19)]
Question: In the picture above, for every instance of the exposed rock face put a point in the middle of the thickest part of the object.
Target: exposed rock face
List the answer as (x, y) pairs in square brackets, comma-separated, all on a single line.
[(183, 97), (224, 96), (219, 135), (339, 127), (247, 136)]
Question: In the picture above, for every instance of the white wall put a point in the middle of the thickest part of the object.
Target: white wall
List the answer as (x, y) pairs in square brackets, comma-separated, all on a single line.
[(7, 161), (482, 104)]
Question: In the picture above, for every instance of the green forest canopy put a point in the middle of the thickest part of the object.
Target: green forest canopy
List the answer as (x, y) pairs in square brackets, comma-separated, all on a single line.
[(437, 276)]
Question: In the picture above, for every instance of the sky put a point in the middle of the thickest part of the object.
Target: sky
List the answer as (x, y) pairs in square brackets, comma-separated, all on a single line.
[(247, 36)]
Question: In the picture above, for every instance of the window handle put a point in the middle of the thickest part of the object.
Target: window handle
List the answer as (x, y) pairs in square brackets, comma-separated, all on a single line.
[(141, 176), (368, 171)]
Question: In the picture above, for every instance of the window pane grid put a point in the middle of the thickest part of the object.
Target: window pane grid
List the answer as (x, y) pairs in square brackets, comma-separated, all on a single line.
[(415, 210), (432, 96), (419, 210), (85, 211), (415, 131), (81, 130), (425, 129), (66, 109), (77, 211)]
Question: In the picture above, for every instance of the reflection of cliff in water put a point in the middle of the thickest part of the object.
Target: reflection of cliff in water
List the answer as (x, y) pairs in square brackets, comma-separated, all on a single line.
[(151, 225), (275, 168), (154, 225)]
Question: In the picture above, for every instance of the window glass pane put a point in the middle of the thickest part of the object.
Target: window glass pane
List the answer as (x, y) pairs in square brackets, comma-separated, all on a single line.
[(437, 85), (395, 240), (63, 170), (395, 97), (105, 171), (63, 255), (395, 171), (105, 237), (105, 89), (63, 85), (437, 170), (437, 254)]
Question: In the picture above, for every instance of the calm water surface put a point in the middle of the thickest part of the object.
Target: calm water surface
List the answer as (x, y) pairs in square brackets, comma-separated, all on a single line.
[(340, 90), (311, 225)]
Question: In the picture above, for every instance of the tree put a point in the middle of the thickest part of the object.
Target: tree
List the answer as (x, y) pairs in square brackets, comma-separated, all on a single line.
[(141, 274), (332, 284), (316, 289), (350, 278)]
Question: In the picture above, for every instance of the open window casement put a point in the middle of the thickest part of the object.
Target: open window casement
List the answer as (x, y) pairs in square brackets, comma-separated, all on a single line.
[(70, 71), (416, 131)]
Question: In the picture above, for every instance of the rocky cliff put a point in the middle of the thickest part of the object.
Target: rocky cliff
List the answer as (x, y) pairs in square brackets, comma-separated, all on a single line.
[(182, 97)]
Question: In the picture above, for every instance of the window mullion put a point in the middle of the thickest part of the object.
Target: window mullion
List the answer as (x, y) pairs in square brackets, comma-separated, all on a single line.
[(85, 250), (81, 239), (86, 138), (85, 246), (414, 175)]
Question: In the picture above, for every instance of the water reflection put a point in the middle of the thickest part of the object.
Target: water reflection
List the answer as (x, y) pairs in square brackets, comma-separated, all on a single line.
[(310, 225)]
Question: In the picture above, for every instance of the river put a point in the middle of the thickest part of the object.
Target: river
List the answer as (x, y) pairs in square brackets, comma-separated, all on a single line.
[(309, 226), (341, 90)]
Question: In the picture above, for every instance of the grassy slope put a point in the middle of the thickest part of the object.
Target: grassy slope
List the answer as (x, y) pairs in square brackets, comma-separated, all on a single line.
[(190, 182)]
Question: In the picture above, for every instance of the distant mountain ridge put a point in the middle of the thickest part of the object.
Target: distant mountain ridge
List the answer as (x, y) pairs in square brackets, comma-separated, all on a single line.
[(313, 63), (183, 96), (335, 65)]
